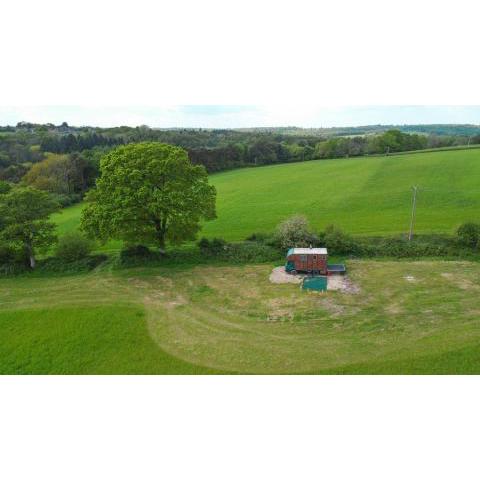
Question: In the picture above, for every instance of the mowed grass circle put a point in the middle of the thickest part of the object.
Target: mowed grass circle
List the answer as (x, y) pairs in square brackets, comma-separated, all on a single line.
[(409, 317)]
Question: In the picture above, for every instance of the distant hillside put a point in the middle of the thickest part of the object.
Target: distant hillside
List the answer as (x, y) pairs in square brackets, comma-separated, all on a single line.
[(26, 144), (212, 136), (433, 129)]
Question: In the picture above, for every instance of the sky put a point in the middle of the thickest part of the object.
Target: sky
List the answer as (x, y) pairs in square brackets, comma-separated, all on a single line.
[(240, 116)]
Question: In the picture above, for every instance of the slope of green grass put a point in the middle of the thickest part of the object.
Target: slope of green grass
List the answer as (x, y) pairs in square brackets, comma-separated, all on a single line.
[(409, 317), (68, 219), (368, 195), (362, 195)]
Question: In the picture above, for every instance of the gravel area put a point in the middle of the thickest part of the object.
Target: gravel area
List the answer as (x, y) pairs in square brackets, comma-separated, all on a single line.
[(342, 283), (339, 283), (279, 275)]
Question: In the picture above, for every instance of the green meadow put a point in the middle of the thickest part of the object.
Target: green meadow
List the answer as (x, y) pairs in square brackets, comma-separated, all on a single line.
[(367, 195), (407, 317)]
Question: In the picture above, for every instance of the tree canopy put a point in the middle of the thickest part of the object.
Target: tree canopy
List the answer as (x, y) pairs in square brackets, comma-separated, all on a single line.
[(61, 174), (24, 221), (150, 193), (25, 144), (295, 232)]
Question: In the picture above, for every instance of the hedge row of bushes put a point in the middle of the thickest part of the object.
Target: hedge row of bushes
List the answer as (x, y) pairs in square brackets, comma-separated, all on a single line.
[(399, 247), (72, 253), (208, 251), (296, 232), (54, 265), (262, 249), (67, 199), (239, 252)]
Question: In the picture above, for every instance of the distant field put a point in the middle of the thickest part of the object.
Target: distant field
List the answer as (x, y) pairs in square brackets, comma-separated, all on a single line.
[(69, 219), (368, 195), (409, 317), (362, 195)]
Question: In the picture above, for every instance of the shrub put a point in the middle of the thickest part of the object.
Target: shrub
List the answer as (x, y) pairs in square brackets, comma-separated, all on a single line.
[(12, 260), (294, 232), (73, 246), (7, 254), (204, 244), (212, 247), (239, 252), (468, 234), (136, 255), (338, 242), (58, 265), (400, 247), (250, 252), (258, 237), (136, 251), (218, 244), (12, 257), (65, 200), (4, 187)]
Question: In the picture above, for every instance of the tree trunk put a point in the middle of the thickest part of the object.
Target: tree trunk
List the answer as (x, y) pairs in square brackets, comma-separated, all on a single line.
[(161, 233), (161, 242), (31, 256)]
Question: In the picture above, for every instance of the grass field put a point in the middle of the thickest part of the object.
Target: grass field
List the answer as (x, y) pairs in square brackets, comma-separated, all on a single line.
[(368, 195), (68, 219), (410, 317)]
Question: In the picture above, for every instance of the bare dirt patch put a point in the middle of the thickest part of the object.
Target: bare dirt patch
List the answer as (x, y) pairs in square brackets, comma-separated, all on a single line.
[(280, 309), (394, 309), (460, 281), (279, 275), (336, 310), (176, 303), (159, 299), (339, 283), (342, 283), (164, 281), (280, 316)]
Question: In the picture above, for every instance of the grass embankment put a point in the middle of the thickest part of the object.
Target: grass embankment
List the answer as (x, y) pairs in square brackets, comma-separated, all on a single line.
[(363, 195), (410, 317)]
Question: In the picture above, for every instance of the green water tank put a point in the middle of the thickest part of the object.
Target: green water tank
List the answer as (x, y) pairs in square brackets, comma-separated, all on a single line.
[(317, 283)]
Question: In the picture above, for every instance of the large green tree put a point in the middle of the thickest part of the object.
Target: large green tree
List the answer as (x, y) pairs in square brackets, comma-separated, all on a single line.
[(148, 192), (24, 221)]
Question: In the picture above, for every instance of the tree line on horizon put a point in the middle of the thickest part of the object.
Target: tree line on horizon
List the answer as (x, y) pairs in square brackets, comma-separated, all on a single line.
[(65, 160)]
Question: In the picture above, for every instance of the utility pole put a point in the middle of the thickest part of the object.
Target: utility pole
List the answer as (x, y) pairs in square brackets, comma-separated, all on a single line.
[(414, 205)]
